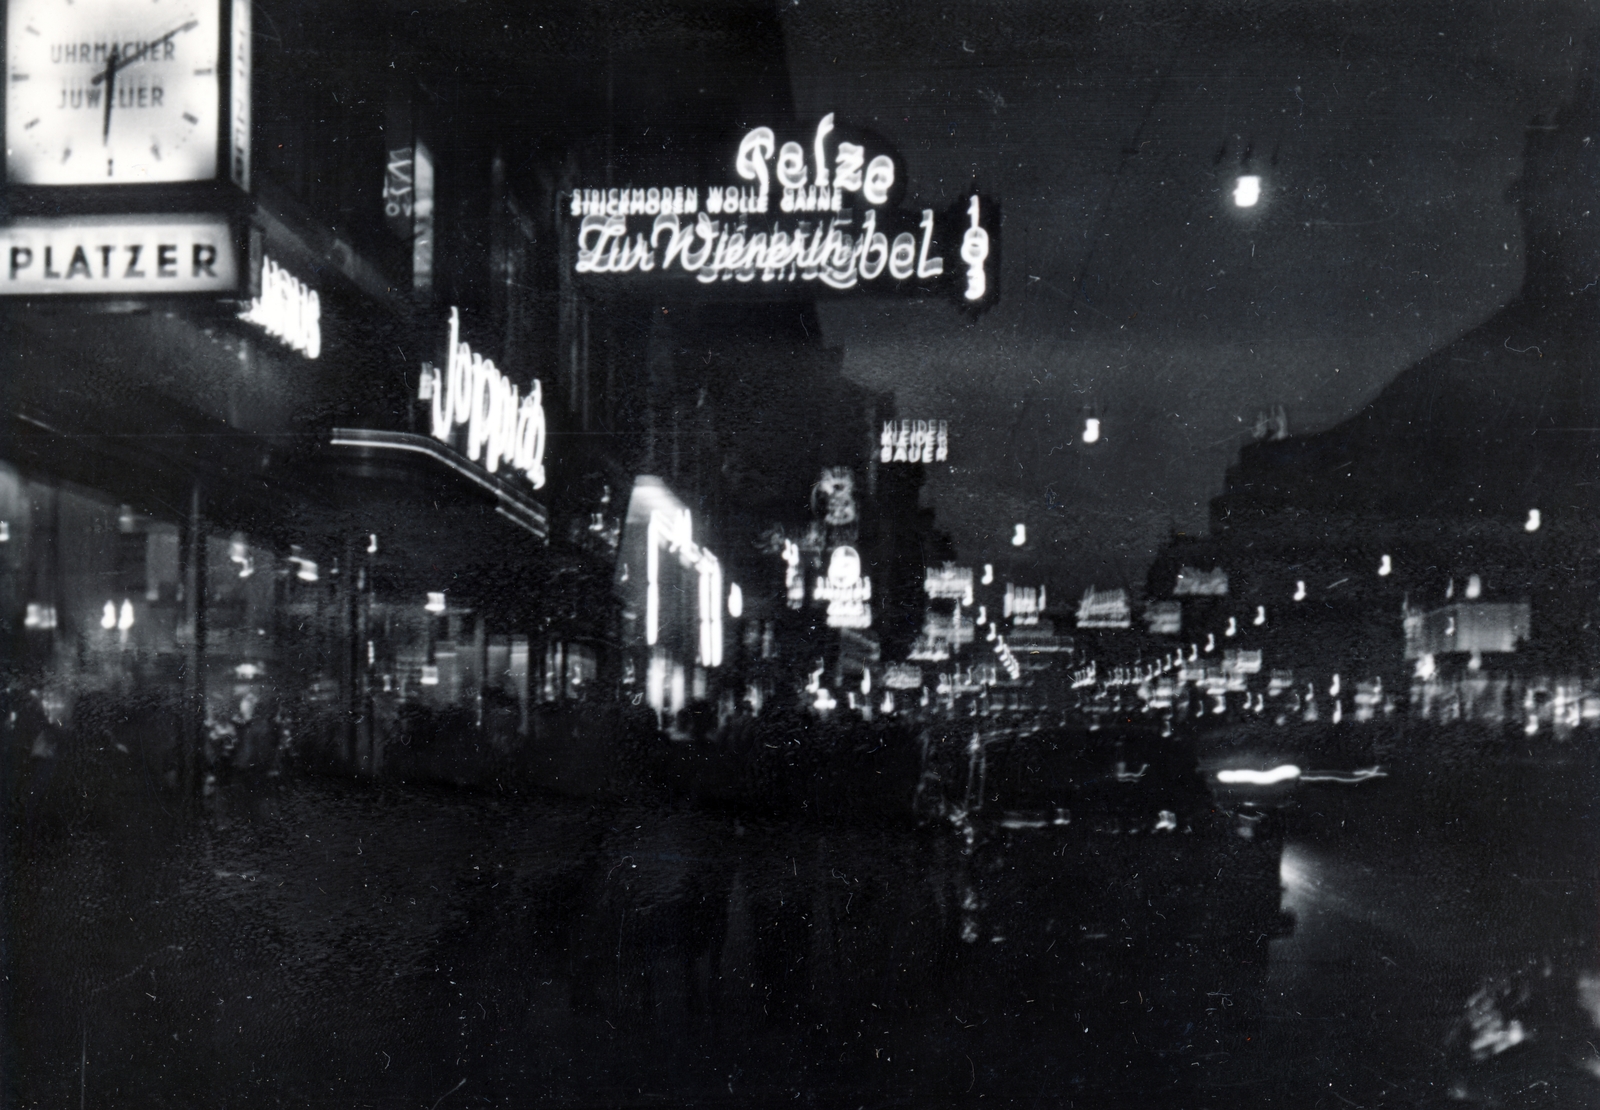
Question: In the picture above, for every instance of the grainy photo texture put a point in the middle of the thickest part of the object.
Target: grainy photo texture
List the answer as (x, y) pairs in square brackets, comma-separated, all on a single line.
[(824, 553)]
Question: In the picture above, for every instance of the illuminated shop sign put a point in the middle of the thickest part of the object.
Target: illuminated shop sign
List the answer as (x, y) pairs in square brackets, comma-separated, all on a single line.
[(501, 425), (671, 530), (1104, 609), (845, 590), (949, 581), (1163, 618), (1201, 583), (902, 676), (794, 583), (915, 441), (789, 215), (837, 490), (287, 309), (1024, 604), (140, 255)]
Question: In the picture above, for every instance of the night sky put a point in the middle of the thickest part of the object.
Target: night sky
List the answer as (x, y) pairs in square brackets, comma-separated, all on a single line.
[(1133, 289)]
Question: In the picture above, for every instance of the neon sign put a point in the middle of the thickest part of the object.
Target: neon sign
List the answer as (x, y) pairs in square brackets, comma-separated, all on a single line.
[(845, 590), (501, 424), (949, 581), (1024, 604), (914, 441), (287, 309), (673, 531), (816, 213)]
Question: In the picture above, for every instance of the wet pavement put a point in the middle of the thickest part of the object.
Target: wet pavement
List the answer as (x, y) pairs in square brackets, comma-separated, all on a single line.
[(339, 944)]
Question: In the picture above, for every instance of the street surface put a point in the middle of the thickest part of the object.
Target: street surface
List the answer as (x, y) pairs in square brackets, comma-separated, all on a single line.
[(343, 944)]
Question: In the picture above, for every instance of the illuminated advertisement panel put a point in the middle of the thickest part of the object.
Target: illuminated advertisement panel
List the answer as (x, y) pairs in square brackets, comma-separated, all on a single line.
[(791, 218)]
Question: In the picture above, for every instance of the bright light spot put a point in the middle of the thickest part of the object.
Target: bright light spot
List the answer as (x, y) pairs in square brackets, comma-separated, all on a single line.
[(1020, 536), (825, 700), (5, 531), (1091, 430), (1426, 667), (1300, 589), (866, 682), (1166, 820), (1233, 627), (1361, 774), (1247, 190), (1333, 687), (1385, 567), (307, 571), (372, 543), (1474, 587), (1533, 522), (125, 617), (988, 573), (1211, 641), (248, 670), (1261, 616), (430, 675), (108, 616), (435, 603), (1284, 772), (735, 601)]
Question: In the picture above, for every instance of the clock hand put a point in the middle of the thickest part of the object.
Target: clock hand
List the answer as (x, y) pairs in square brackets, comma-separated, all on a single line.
[(138, 55), (116, 62), (111, 90)]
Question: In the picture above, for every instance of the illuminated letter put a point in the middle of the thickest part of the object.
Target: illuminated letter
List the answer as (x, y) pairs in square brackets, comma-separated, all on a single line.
[(880, 179), (974, 250), (928, 267), (903, 256), (792, 166), (874, 247), (754, 151), (848, 173), (823, 128)]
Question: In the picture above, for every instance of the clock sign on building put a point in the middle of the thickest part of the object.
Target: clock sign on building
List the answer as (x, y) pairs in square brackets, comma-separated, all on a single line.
[(108, 92)]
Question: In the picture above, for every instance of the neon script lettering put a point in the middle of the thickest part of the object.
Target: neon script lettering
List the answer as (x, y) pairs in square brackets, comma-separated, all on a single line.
[(501, 425), (287, 309), (723, 250)]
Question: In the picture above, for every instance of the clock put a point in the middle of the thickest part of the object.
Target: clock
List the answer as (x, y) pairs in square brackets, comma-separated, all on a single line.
[(109, 92)]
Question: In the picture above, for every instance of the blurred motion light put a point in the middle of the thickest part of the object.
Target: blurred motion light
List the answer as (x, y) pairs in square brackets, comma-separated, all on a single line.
[(435, 603), (1020, 536), (1247, 191), (1091, 430), (1300, 589), (1385, 567), (1533, 521), (125, 616), (108, 617), (1284, 772)]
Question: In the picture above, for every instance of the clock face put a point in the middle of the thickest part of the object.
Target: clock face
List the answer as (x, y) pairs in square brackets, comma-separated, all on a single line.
[(106, 92)]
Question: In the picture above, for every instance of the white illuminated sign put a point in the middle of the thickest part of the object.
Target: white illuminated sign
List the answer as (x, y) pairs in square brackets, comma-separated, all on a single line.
[(794, 584), (915, 441), (1104, 609), (673, 531), (502, 425), (1201, 583), (103, 92), (141, 255), (949, 581), (1024, 604), (287, 309), (239, 102), (845, 590), (840, 234)]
